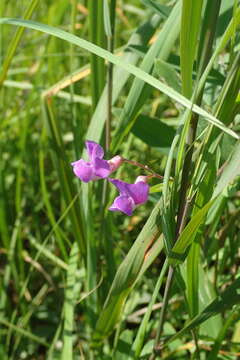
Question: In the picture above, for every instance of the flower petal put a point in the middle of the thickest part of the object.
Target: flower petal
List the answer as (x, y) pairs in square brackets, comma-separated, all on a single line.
[(83, 170), (124, 204), (94, 150), (120, 185), (101, 168), (138, 192)]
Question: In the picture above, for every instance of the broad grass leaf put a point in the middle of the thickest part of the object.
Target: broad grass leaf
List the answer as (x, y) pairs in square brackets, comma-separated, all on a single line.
[(153, 131)]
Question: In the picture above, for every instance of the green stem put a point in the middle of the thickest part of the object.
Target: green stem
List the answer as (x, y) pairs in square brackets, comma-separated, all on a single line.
[(157, 344)]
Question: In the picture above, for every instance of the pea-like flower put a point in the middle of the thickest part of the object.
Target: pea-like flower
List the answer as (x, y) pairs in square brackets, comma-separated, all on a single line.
[(131, 195), (96, 167)]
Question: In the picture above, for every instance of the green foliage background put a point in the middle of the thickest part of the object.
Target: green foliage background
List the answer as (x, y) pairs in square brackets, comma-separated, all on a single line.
[(157, 82)]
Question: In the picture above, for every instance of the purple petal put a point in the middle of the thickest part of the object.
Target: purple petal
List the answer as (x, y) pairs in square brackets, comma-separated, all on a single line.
[(83, 170), (138, 192), (124, 204), (94, 150), (120, 185), (101, 168)]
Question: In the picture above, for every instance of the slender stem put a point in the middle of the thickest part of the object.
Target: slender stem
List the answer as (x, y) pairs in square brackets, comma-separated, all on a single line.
[(144, 167), (157, 345), (197, 353)]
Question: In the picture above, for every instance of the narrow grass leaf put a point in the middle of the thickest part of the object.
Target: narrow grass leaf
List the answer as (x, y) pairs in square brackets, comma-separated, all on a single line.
[(48, 254), (96, 31), (24, 332), (106, 15), (16, 40), (205, 191), (190, 25), (69, 304), (139, 340)]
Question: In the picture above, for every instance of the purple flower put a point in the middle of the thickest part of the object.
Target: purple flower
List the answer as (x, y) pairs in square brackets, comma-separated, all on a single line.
[(96, 167), (131, 195)]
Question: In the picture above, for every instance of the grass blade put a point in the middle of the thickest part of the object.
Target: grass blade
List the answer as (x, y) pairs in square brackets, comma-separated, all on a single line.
[(69, 304), (15, 41), (190, 25)]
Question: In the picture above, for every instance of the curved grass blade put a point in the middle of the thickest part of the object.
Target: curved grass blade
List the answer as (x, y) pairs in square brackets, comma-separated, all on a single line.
[(117, 61)]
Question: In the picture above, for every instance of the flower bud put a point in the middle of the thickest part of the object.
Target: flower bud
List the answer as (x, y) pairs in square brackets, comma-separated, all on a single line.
[(141, 178), (115, 162)]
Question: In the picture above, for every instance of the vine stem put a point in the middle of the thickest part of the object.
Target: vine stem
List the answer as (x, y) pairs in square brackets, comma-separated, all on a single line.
[(144, 167)]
